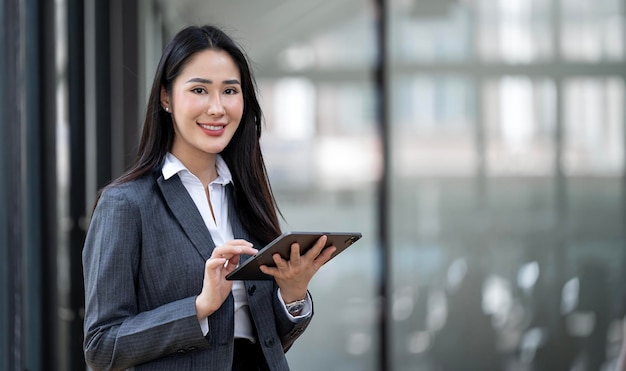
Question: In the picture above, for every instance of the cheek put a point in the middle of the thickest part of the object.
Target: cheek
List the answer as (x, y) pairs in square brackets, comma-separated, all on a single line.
[(236, 108), (191, 107), (188, 104)]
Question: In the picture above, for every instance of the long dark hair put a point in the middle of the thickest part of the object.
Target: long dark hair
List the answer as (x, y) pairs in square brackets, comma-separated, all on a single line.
[(253, 197)]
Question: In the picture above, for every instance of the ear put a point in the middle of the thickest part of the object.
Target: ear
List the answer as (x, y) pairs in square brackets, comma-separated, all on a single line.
[(165, 98)]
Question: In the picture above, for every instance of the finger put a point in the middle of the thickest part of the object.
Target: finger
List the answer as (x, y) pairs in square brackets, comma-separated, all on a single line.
[(268, 270), (324, 256), (238, 242), (215, 263), (232, 248), (235, 259), (279, 261), (236, 247), (294, 256), (317, 247), (230, 265)]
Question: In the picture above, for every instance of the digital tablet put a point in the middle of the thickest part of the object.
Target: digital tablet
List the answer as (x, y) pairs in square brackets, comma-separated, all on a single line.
[(249, 270)]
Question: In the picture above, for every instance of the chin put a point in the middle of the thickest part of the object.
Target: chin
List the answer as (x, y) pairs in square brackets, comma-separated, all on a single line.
[(214, 150)]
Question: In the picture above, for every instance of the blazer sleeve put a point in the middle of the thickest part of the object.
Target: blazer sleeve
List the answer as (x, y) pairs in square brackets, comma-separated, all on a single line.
[(117, 334), (289, 329)]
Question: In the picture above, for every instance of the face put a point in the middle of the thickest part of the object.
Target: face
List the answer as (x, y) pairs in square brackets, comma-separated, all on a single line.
[(206, 104)]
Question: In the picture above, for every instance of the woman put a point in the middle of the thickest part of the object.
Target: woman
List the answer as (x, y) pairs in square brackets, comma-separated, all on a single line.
[(195, 203)]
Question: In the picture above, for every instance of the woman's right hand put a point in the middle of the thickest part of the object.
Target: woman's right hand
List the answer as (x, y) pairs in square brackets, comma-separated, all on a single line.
[(215, 286)]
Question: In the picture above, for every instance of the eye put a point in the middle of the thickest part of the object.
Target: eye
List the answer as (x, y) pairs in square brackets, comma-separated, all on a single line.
[(198, 90), (230, 91)]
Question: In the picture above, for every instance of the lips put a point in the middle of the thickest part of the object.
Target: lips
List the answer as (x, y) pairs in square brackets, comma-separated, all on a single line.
[(212, 126), (213, 129)]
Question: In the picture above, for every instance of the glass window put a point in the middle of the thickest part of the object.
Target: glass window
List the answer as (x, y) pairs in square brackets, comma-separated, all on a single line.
[(433, 125), (514, 31), (592, 30), (491, 240), (594, 126), (430, 31), (323, 157), (519, 116), (326, 49)]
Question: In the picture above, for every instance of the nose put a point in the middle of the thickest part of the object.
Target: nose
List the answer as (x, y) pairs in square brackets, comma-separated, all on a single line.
[(215, 105)]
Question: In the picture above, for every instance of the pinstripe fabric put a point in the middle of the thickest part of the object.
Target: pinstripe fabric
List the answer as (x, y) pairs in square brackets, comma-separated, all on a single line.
[(143, 264)]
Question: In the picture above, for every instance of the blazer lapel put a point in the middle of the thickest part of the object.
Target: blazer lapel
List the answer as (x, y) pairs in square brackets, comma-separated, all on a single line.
[(187, 214), (233, 218), (239, 232)]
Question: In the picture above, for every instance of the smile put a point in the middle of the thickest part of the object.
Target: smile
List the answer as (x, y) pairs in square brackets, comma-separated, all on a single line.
[(211, 127)]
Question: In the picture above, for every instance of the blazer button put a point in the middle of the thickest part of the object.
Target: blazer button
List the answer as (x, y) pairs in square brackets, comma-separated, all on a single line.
[(252, 289), (269, 342)]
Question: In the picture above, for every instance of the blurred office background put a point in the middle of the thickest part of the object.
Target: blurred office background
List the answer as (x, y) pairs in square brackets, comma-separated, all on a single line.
[(478, 145)]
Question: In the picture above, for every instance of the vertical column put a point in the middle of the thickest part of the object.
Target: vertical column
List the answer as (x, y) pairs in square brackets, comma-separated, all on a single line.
[(27, 193), (39, 158), (622, 305), (77, 203), (560, 233), (124, 83), (560, 180), (11, 286), (480, 133), (102, 30), (5, 274), (381, 81), (98, 97), (130, 75)]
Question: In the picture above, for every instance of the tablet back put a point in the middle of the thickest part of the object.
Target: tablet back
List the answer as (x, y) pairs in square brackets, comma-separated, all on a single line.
[(249, 270)]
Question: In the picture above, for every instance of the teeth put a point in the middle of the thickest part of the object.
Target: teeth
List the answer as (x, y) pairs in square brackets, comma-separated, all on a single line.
[(211, 127)]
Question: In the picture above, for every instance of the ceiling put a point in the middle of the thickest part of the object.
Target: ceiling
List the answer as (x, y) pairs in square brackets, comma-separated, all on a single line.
[(263, 28)]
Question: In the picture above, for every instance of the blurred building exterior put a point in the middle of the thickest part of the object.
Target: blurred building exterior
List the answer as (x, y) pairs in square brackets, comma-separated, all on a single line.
[(480, 149)]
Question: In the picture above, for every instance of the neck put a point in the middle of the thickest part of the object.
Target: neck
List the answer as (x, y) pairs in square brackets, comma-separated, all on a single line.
[(202, 166)]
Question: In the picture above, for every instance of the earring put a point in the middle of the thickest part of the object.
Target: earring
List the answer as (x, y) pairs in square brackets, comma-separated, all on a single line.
[(167, 109)]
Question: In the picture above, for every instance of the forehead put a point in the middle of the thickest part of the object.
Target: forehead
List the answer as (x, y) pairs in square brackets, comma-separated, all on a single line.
[(211, 62)]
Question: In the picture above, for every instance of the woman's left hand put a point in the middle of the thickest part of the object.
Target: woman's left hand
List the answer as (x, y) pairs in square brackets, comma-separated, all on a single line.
[(293, 275)]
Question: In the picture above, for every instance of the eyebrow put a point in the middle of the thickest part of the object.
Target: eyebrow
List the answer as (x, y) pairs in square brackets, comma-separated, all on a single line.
[(206, 81)]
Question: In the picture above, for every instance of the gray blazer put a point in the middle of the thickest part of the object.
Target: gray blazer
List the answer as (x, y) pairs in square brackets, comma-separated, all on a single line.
[(143, 263)]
